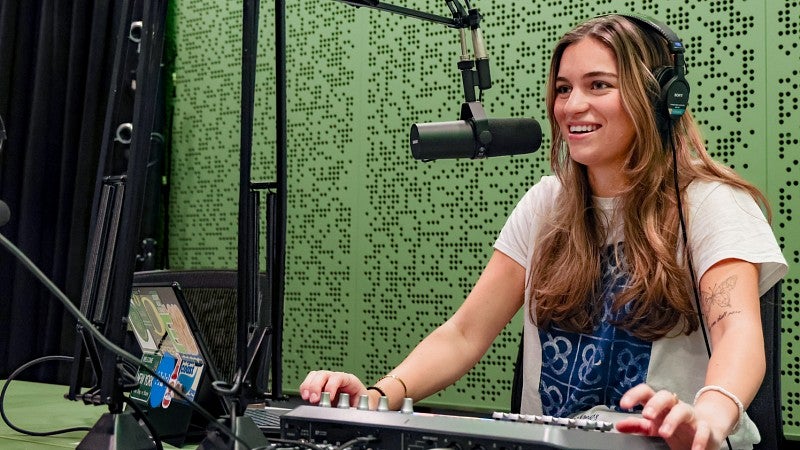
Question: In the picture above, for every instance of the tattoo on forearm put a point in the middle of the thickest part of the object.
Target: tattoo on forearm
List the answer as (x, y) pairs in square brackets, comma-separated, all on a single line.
[(722, 316), (720, 295)]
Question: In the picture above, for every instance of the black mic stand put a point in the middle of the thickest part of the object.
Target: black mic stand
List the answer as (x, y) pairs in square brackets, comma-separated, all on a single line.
[(117, 207), (253, 335), (474, 72), (461, 20)]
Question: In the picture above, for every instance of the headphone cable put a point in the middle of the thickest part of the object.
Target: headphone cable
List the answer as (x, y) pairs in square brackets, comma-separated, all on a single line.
[(692, 275)]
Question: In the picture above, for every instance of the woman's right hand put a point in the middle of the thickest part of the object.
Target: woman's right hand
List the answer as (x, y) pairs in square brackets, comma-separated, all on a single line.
[(319, 381)]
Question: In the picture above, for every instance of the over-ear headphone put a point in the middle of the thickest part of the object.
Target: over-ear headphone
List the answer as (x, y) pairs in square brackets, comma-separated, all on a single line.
[(673, 97)]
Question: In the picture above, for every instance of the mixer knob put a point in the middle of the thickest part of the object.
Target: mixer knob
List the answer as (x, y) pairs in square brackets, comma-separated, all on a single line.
[(408, 406), (344, 401), (363, 402), (325, 401), (383, 403)]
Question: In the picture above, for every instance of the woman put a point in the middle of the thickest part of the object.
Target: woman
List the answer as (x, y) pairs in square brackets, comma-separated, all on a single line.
[(594, 255)]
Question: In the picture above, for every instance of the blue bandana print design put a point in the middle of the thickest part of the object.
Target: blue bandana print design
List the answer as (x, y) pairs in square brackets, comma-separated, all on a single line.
[(580, 371)]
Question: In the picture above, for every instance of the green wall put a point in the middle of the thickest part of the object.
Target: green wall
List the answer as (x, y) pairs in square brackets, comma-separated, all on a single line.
[(382, 248)]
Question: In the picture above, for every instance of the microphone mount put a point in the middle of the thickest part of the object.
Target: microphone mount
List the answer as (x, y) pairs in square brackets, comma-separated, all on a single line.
[(473, 112), (461, 19)]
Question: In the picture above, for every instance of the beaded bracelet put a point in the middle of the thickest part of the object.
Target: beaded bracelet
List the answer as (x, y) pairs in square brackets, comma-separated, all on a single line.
[(405, 389), (730, 395)]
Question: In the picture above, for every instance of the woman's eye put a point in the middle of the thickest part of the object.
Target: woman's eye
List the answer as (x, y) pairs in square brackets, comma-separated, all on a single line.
[(600, 85), (563, 89)]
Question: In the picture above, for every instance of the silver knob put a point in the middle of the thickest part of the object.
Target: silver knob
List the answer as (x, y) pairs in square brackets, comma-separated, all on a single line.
[(363, 402), (408, 406), (344, 401), (383, 403), (325, 401)]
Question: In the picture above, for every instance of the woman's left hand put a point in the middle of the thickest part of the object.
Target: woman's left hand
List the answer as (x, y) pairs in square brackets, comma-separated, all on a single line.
[(665, 415)]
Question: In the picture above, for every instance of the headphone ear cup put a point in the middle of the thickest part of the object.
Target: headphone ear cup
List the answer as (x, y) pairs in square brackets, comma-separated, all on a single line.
[(674, 96), (662, 75)]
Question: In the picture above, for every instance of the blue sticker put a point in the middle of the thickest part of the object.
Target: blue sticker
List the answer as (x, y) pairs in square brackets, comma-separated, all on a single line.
[(164, 370)]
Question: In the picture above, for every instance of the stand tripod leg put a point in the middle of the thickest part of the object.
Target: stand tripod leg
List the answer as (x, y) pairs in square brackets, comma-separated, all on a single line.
[(119, 431), (244, 428)]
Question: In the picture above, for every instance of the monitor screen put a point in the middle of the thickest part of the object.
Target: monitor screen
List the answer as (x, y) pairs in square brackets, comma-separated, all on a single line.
[(159, 323)]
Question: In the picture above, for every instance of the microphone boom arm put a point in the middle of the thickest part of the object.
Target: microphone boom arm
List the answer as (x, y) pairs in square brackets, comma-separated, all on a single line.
[(458, 20), (461, 20)]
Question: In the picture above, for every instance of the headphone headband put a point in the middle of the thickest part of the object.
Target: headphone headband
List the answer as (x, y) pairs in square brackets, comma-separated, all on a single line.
[(674, 96), (659, 27)]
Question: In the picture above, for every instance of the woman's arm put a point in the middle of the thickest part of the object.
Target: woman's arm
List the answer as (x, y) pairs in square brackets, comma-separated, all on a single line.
[(450, 350), (730, 303), (729, 297)]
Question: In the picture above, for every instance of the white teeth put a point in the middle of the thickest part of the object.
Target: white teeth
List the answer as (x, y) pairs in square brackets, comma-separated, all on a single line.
[(582, 128)]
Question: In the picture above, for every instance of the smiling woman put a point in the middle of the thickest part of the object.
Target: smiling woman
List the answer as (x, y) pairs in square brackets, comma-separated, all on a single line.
[(602, 257), (590, 113)]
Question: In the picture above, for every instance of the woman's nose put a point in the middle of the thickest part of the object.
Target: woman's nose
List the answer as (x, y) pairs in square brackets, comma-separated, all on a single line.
[(577, 102)]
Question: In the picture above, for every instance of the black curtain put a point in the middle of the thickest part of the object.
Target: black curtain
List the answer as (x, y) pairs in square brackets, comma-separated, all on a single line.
[(56, 58)]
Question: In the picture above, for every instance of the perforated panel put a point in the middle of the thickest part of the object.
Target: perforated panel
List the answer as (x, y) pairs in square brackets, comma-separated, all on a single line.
[(383, 248), (783, 152)]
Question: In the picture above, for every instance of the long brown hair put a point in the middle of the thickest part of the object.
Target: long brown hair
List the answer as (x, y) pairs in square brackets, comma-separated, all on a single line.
[(566, 262)]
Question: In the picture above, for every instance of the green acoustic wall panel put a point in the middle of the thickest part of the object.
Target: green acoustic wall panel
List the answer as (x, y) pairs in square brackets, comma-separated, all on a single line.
[(382, 248), (782, 148)]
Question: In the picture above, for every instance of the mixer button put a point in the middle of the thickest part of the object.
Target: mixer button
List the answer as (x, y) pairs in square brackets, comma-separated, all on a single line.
[(605, 426)]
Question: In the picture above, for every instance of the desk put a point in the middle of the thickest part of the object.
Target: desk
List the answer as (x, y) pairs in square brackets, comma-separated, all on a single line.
[(42, 407)]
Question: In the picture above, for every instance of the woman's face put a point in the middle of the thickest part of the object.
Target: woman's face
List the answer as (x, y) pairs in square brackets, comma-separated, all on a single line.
[(588, 109)]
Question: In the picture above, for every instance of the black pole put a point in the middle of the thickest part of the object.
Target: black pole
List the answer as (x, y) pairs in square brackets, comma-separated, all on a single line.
[(118, 429), (279, 262), (247, 268), (247, 434), (143, 117)]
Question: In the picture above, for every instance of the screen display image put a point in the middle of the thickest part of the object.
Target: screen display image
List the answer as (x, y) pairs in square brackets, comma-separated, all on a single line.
[(168, 346)]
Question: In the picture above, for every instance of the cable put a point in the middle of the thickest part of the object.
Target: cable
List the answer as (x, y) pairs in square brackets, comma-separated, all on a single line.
[(143, 417), (12, 377), (695, 285), (299, 443), (352, 442), (104, 341), (312, 446)]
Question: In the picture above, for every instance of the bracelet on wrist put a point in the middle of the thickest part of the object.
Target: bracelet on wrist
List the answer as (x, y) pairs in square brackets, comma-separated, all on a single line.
[(730, 395), (395, 377)]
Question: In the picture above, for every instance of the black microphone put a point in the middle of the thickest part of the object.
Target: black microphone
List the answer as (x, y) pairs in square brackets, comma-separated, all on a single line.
[(5, 213), (475, 136)]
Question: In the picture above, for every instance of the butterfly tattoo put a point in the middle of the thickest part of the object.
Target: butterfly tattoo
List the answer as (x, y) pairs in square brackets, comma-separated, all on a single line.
[(719, 295)]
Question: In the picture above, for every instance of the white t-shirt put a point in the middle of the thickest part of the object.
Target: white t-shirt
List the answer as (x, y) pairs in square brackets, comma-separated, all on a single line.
[(570, 374)]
